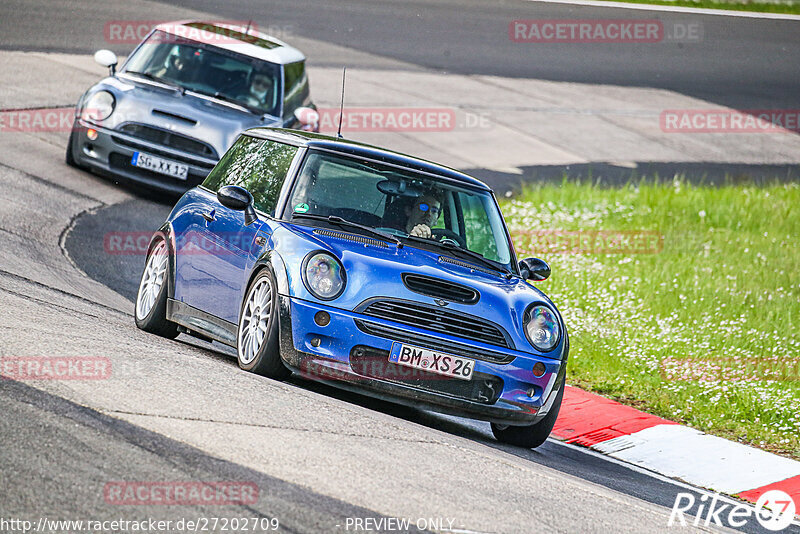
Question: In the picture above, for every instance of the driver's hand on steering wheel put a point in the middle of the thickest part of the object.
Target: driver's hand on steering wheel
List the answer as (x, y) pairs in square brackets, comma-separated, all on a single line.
[(421, 230)]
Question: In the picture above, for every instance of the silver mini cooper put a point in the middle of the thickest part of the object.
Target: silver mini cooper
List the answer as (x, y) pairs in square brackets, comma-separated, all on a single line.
[(181, 99)]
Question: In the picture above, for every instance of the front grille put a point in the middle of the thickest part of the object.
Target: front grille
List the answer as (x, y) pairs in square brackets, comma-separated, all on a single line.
[(166, 138), (121, 162), (374, 363), (351, 237), (438, 288), (189, 160), (431, 342), (437, 319)]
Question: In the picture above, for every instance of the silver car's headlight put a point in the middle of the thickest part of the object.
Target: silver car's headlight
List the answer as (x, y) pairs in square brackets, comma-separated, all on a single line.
[(323, 275), (99, 106), (542, 328)]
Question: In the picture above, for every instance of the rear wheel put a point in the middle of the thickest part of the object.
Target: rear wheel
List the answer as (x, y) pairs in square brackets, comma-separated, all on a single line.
[(257, 345), (151, 300), (530, 436)]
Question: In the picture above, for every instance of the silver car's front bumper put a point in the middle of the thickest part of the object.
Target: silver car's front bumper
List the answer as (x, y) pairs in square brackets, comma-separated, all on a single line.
[(111, 154)]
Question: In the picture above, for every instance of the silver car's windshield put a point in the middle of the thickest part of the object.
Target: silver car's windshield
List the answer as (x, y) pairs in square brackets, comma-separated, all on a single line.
[(401, 202), (212, 71)]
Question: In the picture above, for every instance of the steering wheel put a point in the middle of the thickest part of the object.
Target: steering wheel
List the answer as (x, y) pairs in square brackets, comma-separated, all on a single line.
[(444, 235)]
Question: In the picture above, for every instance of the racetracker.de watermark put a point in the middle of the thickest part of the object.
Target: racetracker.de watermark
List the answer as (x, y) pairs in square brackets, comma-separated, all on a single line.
[(132, 32), (180, 493), (590, 241), (730, 121), (553, 31), (55, 367), (781, 368), (190, 243), (367, 367), (37, 120), (388, 119)]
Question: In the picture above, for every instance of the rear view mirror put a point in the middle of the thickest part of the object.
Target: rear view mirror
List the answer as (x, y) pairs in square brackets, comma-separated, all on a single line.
[(107, 58), (534, 269)]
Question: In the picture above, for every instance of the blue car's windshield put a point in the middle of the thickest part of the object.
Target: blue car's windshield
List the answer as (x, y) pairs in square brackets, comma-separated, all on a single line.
[(195, 66), (401, 202)]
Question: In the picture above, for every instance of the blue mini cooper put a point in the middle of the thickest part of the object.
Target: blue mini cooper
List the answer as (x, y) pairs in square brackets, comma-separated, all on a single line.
[(365, 269)]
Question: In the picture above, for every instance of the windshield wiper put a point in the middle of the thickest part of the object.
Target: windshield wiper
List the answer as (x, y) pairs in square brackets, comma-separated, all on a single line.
[(466, 252), (157, 79), (334, 219)]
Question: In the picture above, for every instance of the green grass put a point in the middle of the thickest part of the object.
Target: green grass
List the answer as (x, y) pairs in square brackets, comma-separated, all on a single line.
[(705, 331), (778, 6)]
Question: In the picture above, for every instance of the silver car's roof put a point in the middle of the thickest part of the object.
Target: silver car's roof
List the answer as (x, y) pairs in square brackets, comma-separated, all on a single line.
[(235, 38)]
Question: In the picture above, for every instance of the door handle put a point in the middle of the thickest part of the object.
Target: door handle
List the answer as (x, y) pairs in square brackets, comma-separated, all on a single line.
[(209, 216)]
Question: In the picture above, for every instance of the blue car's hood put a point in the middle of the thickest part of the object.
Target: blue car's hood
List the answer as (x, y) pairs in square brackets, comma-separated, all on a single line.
[(216, 124), (374, 271)]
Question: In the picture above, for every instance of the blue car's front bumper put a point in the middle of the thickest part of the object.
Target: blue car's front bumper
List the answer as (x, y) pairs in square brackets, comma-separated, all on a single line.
[(351, 352)]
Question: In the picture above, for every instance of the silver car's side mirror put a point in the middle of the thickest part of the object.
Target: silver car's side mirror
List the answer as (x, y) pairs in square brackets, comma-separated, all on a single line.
[(107, 58), (308, 119)]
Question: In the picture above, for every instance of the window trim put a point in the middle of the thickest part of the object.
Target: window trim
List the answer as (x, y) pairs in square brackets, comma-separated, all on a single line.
[(281, 200)]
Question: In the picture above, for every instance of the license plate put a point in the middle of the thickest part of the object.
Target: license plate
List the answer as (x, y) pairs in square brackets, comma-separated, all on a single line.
[(432, 361), (160, 165)]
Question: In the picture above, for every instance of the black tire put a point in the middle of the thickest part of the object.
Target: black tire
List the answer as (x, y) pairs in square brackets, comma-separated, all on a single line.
[(70, 155), (267, 361), (531, 436), (156, 321)]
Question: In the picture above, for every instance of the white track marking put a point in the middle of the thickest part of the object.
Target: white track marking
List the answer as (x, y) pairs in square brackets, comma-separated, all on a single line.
[(701, 459), (674, 9)]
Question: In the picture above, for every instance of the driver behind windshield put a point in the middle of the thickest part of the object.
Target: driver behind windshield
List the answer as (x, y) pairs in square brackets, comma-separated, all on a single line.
[(179, 65), (258, 91), (423, 214)]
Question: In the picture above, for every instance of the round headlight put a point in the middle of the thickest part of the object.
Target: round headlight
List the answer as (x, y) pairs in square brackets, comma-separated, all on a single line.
[(99, 106), (324, 275), (541, 327)]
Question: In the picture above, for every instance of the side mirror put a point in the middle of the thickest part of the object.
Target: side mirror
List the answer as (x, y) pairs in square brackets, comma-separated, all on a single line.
[(308, 119), (107, 58), (239, 199), (534, 269)]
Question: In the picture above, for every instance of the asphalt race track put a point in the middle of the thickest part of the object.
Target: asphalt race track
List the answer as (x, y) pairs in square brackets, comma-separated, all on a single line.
[(182, 410)]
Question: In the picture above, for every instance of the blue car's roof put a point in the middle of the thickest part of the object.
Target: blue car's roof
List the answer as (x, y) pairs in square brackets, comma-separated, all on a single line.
[(354, 148)]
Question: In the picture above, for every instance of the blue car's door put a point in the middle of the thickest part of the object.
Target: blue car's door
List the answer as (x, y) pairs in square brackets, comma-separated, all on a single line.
[(215, 250), (216, 254)]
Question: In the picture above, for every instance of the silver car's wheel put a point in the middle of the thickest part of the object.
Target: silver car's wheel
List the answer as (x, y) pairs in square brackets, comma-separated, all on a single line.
[(257, 344), (155, 272), (150, 311)]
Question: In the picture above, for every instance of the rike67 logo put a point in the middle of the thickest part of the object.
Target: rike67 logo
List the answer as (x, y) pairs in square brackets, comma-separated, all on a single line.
[(774, 510)]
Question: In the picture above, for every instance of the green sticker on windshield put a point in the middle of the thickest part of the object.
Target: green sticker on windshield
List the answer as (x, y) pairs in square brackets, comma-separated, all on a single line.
[(301, 208)]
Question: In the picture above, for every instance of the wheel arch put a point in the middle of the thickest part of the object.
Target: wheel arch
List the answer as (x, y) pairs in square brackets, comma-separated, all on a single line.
[(167, 233), (270, 259)]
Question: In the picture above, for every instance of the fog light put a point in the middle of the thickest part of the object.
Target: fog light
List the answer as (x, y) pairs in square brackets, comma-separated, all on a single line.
[(91, 133), (315, 342), (538, 369), (532, 392), (322, 318)]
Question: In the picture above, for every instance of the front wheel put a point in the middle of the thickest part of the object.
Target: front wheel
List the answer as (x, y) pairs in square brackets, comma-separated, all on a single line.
[(257, 345), (69, 157), (151, 300), (530, 436)]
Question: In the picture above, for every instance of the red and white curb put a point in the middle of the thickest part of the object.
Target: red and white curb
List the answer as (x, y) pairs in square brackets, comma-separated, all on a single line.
[(673, 450)]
